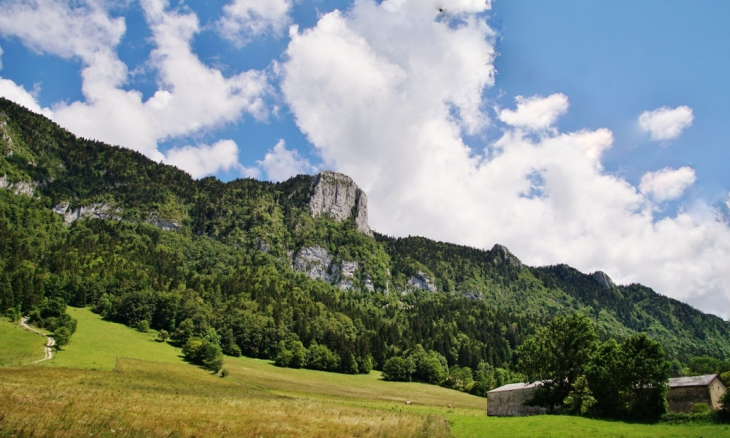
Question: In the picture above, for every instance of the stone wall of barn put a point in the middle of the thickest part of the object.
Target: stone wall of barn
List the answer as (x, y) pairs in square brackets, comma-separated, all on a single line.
[(510, 403), (717, 389), (682, 398)]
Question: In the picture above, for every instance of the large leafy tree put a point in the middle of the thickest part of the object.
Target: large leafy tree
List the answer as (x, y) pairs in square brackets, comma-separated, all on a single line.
[(557, 355), (645, 374), (629, 380)]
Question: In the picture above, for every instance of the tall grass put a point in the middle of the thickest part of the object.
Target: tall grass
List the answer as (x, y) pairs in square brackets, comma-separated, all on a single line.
[(140, 398)]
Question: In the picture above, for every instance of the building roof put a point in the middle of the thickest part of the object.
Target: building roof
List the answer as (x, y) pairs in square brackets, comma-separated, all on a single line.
[(677, 382), (515, 387)]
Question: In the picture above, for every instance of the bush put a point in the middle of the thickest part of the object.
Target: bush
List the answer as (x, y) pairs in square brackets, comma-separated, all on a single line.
[(163, 335), (398, 369), (724, 412), (203, 352), (224, 373), (61, 336), (700, 408), (143, 326)]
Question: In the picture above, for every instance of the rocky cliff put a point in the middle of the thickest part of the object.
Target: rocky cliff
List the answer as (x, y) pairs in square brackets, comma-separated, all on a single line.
[(337, 195)]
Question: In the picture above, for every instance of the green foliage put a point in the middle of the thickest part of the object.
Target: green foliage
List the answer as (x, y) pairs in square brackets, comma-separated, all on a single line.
[(646, 372), (557, 355), (62, 335), (725, 406), (203, 352), (143, 326), (224, 276), (163, 335), (580, 398), (398, 369), (627, 380), (700, 408)]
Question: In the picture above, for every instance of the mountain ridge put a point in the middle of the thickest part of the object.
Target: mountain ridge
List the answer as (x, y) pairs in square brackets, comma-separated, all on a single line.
[(245, 258)]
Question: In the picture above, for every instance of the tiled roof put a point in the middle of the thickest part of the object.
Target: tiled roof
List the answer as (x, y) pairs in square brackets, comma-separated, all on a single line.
[(515, 387), (705, 380)]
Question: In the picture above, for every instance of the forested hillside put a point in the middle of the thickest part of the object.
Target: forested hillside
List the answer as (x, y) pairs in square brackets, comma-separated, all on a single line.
[(248, 267)]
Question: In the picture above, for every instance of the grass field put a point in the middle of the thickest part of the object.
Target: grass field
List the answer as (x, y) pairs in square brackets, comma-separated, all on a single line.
[(97, 344), (114, 381), (19, 346), (555, 426)]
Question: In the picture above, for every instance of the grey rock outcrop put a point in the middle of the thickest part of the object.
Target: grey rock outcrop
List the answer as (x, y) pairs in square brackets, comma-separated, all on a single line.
[(93, 211), (164, 224), (603, 279), (420, 280), (317, 263), (337, 195), (502, 255), (19, 188)]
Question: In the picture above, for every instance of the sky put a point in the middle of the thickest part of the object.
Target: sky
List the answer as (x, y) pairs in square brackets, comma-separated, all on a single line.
[(587, 133)]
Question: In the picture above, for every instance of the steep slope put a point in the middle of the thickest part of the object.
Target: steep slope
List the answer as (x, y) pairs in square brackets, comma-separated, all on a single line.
[(250, 264)]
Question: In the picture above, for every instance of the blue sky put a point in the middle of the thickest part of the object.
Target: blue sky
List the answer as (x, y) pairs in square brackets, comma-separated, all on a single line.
[(588, 133)]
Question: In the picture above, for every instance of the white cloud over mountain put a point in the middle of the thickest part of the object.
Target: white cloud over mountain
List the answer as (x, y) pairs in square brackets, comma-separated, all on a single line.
[(666, 123), (281, 163), (372, 90), (191, 96), (203, 160), (386, 92)]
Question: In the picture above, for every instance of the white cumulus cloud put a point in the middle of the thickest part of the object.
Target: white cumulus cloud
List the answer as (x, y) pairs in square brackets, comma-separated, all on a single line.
[(281, 163), (667, 184), (535, 112), (203, 160), (12, 91), (244, 19), (386, 90), (191, 96), (666, 123)]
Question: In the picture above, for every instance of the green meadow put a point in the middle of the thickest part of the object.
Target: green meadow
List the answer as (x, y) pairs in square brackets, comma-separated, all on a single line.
[(111, 380), (19, 346)]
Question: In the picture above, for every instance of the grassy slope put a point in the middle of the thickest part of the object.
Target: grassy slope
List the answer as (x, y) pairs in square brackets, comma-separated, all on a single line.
[(97, 344), (163, 395), (19, 346)]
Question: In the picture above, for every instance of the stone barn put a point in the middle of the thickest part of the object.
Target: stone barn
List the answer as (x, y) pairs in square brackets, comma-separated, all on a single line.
[(686, 391), (507, 400)]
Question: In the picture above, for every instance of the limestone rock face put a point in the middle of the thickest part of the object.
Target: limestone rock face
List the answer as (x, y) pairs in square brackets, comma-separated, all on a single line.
[(164, 224), (421, 281), (317, 263), (19, 188), (94, 211), (603, 279), (314, 261), (337, 195), (504, 256)]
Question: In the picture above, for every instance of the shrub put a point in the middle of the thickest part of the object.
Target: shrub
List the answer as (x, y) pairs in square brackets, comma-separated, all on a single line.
[(724, 413), (61, 336), (700, 408), (224, 373), (203, 352), (398, 369), (143, 326), (163, 335)]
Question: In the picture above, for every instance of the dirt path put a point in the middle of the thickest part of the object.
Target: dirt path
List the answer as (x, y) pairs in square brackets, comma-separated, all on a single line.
[(49, 344)]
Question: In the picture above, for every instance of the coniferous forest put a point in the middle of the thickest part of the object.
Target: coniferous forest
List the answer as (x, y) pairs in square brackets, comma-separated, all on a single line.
[(209, 263)]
